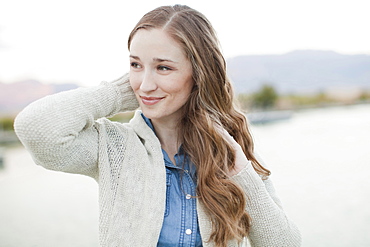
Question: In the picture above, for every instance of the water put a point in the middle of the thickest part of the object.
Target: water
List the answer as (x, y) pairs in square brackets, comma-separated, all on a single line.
[(41, 208), (320, 161)]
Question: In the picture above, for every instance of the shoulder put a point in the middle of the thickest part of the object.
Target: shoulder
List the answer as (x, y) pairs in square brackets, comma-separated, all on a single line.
[(136, 126), (107, 126)]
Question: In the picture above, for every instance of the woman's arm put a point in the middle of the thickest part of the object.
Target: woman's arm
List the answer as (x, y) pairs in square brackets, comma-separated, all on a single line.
[(60, 130), (269, 226)]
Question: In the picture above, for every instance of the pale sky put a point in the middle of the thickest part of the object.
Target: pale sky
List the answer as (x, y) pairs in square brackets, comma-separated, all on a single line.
[(85, 41)]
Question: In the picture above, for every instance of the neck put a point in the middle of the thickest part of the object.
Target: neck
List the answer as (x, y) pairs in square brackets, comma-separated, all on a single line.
[(167, 133)]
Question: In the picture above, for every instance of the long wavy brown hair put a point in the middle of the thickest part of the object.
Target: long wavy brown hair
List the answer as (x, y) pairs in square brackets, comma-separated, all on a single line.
[(210, 106)]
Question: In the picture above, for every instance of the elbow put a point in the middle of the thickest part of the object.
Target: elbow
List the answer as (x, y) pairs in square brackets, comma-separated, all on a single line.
[(21, 127), (292, 237), (31, 130), (278, 236)]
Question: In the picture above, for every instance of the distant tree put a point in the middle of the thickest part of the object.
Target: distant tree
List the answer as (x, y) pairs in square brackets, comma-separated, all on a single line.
[(364, 96), (265, 98), (123, 117), (6, 123)]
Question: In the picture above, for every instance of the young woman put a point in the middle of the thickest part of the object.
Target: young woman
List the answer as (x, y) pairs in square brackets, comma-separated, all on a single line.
[(183, 171)]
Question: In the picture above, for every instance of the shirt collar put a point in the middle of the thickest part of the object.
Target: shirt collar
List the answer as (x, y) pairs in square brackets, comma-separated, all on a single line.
[(148, 122)]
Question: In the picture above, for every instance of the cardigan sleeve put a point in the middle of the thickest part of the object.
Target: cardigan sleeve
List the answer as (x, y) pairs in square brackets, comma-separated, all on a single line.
[(60, 130), (270, 226)]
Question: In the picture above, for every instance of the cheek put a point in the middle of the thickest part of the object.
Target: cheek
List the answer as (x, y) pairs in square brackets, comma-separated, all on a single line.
[(184, 90), (134, 82), (182, 84), (188, 85)]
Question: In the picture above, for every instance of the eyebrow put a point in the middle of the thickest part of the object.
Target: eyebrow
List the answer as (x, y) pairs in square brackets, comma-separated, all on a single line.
[(163, 60), (156, 59)]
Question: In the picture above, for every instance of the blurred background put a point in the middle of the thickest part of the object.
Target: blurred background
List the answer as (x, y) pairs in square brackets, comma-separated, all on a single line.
[(301, 73)]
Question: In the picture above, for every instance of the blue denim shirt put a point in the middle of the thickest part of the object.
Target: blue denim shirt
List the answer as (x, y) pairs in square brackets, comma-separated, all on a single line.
[(180, 223)]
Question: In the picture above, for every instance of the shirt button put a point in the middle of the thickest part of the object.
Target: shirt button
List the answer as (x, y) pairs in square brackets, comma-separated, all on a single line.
[(188, 231), (188, 196)]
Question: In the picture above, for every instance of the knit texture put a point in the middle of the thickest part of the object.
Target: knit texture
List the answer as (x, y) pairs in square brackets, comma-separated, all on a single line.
[(69, 132)]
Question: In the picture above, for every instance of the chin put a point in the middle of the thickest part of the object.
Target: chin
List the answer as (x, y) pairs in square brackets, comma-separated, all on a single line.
[(150, 113)]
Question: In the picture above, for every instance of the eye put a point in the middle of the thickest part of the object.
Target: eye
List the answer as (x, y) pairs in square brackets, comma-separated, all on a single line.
[(163, 68), (135, 65)]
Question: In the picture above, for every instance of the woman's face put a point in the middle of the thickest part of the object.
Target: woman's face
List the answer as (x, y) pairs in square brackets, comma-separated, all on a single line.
[(160, 74)]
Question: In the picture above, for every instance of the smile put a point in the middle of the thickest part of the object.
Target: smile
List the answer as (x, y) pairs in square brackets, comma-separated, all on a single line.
[(150, 100)]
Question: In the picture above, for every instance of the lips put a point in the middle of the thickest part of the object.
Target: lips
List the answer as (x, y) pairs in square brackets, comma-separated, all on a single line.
[(150, 100)]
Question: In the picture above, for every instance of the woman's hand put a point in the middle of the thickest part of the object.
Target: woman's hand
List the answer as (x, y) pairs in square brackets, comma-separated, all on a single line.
[(240, 159)]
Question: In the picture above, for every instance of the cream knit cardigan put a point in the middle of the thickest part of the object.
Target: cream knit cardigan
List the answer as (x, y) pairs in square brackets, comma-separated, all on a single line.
[(68, 132)]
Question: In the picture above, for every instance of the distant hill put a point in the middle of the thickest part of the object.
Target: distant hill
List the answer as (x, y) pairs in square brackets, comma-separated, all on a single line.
[(15, 96), (305, 71)]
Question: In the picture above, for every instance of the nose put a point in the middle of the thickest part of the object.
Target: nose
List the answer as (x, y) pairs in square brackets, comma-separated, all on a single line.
[(148, 83)]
